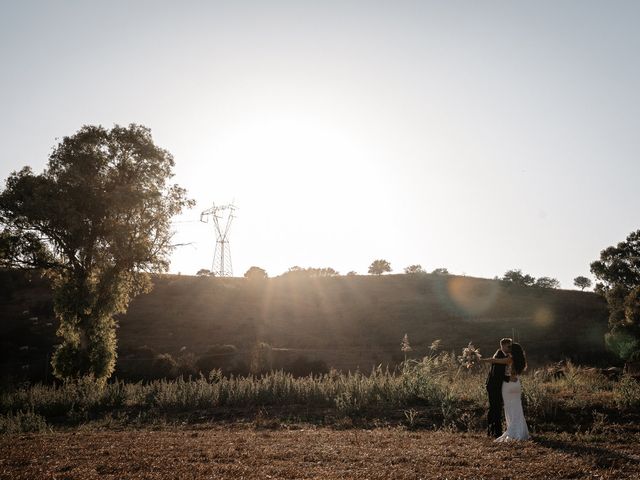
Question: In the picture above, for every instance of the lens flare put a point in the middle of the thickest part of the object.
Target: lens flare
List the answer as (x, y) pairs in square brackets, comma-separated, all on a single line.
[(470, 295), (543, 317)]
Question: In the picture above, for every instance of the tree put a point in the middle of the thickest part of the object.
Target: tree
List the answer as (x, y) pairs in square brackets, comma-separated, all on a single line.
[(311, 272), (378, 267), (256, 273), (352, 273), (582, 282), (97, 222), (547, 282), (204, 272), (619, 273), (440, 271), (518, 278), (412, 269)]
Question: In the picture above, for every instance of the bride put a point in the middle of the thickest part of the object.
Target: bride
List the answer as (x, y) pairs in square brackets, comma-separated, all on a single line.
[(512, 394)]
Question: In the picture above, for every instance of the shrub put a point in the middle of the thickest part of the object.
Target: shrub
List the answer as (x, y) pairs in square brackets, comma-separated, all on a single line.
[(22, 422), (164, 366), (261, 358), (627, 393), (144, 352), (187, 365), (302, 366), (206, 363), (222, 350)]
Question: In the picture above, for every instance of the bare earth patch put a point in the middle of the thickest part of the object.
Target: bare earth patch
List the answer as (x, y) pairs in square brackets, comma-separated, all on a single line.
[(240, 452)]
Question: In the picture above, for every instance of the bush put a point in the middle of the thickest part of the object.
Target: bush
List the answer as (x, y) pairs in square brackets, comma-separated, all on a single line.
[(261, 359), (187, 365), (221, 350), (164, 366), (23, 422), (627, 393), (302, 366), (217, 357), (144, 352)]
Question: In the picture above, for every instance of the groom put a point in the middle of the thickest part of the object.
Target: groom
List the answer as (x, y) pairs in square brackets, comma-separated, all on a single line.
[(494, 390)]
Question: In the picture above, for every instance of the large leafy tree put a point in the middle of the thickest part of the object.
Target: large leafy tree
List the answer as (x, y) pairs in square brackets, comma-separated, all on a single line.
[(618, 272), (97, 222)]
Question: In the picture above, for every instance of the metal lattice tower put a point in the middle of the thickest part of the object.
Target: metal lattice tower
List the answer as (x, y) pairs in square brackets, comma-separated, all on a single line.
[(222, 217)]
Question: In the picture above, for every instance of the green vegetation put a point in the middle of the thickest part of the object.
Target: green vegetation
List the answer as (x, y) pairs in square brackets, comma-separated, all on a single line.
[(547, 282), (95, 222), (414, 269), (378, 267), (299, 272), (619, 273), (433, 392), (582, 282), (256, 273), (516, 277)]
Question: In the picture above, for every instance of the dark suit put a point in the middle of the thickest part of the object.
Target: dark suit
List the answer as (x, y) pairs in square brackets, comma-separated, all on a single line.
[(494, 389)]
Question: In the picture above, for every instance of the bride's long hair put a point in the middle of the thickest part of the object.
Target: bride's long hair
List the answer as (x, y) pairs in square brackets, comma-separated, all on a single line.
[(519, 358)]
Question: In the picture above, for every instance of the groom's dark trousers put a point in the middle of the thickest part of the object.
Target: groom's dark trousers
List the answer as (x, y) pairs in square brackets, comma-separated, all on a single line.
[(494, 390)]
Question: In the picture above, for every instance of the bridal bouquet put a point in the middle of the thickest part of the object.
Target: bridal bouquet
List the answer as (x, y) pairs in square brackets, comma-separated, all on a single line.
[(470, 356)]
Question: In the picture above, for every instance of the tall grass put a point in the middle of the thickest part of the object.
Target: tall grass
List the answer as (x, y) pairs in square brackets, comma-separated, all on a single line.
[(435, 386)]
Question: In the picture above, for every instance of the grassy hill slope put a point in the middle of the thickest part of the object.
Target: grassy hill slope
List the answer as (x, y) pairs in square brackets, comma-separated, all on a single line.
[(347, 322)]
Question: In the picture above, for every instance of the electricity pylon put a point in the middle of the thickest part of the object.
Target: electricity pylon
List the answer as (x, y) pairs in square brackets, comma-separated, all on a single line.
[(222, 217)]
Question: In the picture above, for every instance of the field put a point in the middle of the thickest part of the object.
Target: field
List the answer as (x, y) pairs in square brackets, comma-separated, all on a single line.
[(424, 420), (312, 324), (308, 452), (368, 414)]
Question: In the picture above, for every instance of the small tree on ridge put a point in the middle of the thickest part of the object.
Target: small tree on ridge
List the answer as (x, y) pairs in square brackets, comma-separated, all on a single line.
[(582, 282), (378, 267)]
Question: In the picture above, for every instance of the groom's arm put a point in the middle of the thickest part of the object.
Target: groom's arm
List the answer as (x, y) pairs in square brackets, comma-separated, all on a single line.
[(499, 358), (496, 361)]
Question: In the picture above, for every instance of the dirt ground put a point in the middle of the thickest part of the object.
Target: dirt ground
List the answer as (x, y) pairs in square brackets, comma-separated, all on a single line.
[(242, 452)]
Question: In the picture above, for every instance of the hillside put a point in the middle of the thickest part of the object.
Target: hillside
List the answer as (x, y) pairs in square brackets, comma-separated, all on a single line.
[(346, 322)]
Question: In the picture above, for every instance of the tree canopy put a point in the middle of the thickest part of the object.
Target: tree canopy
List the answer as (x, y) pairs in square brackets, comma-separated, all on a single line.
[(256, 273), (412, 269), (440, 271), (582, 282), (618, 272), (97, 221), (518, 278), (310, 272), (547, 282), (378, 267)]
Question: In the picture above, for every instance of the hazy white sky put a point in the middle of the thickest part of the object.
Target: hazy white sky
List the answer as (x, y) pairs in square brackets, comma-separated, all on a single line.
[(477, 136)]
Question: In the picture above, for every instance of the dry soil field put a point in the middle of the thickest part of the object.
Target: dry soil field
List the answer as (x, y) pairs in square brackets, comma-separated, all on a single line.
[(216, 452)]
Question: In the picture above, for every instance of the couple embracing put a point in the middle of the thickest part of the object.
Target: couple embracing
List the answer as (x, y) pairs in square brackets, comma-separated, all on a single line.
[(505, 390)]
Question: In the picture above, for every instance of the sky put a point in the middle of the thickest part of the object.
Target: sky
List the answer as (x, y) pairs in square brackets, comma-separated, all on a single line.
[(476, 136)]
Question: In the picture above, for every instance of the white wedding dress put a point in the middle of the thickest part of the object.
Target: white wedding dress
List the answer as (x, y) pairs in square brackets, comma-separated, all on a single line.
[(516, 424)]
